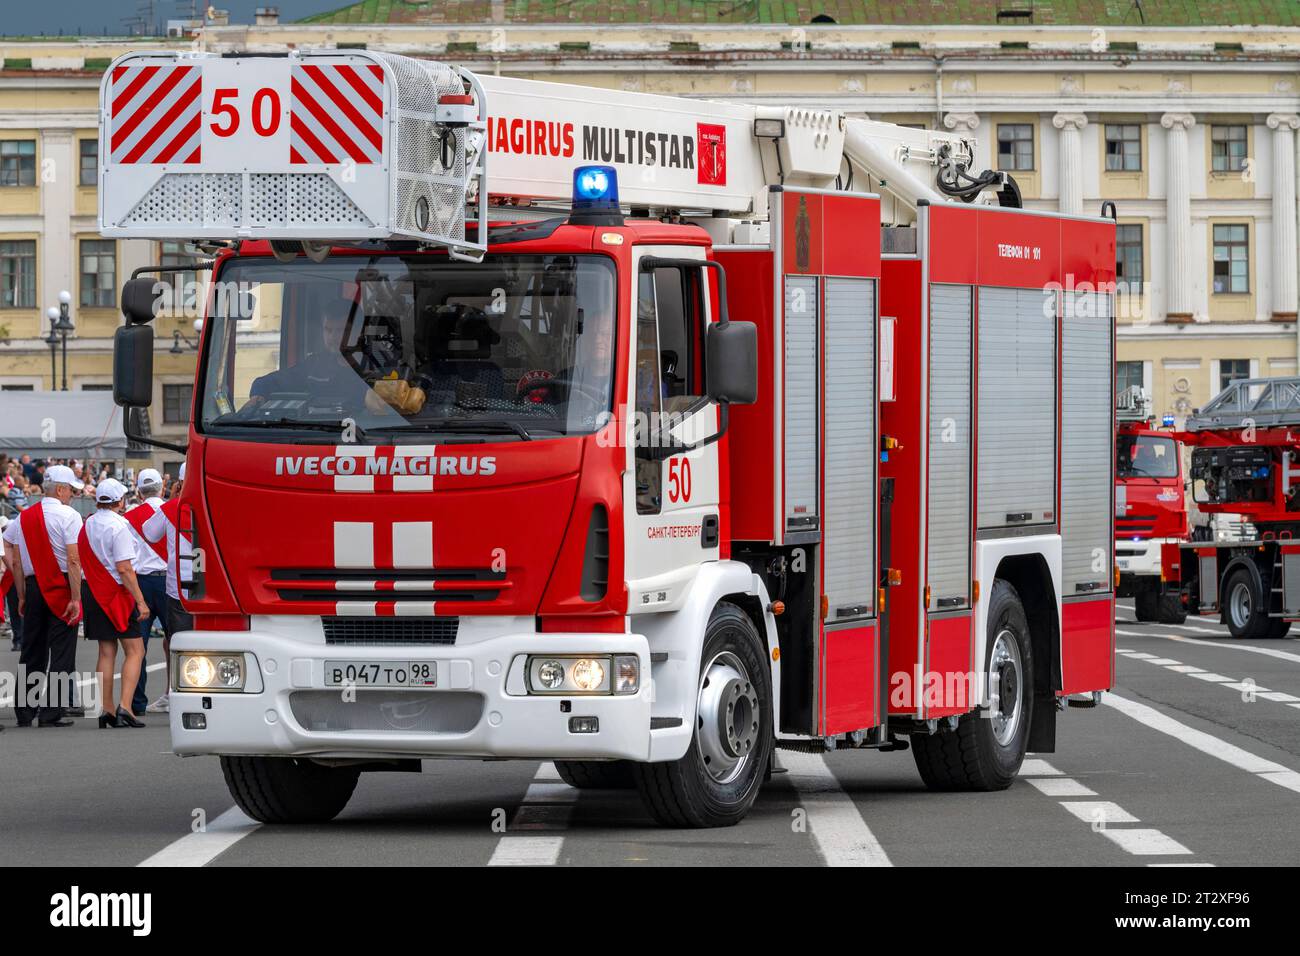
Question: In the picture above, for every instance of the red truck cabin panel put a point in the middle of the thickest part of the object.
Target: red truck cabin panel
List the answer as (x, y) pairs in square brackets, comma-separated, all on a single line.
[(1088, 645), (851, 678), (945, 687)]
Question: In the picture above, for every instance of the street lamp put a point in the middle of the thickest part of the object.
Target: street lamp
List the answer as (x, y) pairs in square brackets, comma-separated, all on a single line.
[(177, 336), (62, 326), (52, 340)]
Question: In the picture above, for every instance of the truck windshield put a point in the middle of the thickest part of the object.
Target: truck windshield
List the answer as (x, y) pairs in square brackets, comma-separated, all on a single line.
[(515, 346), (1146, 456)]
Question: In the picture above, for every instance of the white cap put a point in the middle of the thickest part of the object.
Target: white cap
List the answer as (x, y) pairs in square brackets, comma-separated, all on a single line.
[(110, 491), (149, 476), (62, 475), (181, 475)]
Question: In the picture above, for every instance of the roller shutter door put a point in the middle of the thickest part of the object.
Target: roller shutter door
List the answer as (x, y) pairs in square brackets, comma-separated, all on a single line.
[(851, 456), (800, 473), (1087, 441), (948, 526), (1016, 438)]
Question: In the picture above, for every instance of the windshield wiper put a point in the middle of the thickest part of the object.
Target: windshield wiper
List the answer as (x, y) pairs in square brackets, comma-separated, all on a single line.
[(289, 423), (495, 426)]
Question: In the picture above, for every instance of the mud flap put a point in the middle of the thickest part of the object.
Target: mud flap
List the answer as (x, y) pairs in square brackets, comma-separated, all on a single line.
[(1042, 729)]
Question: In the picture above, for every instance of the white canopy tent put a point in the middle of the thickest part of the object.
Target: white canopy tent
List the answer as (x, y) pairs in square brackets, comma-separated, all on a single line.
[(61, 425)]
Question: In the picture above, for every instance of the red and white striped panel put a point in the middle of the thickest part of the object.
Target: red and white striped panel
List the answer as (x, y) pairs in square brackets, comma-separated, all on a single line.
[(156, 114), (337, 114), (365, 545), (363, 477)]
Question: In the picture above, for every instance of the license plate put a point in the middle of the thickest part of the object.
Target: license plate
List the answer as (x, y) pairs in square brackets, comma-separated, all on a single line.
[(381, 673), (1123, 563)]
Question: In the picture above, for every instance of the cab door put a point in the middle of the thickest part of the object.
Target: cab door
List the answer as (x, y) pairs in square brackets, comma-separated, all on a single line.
[(672, 511)]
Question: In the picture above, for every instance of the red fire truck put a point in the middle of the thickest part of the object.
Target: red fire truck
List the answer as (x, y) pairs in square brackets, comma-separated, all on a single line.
[(1244, 446), (1150, 506), (641, 434)]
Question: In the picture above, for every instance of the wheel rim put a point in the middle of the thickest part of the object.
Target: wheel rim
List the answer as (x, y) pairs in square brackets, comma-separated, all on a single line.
[(727, 717), (1239, 604), (1006, 679)]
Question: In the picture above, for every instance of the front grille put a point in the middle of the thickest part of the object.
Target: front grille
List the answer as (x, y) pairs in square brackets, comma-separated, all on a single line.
[(328, 585), (391, 630), (387, 711)]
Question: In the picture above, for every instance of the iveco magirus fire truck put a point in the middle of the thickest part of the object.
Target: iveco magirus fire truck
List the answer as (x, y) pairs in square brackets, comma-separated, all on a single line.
[(1244, 444), (642, 434), (1150, 506)]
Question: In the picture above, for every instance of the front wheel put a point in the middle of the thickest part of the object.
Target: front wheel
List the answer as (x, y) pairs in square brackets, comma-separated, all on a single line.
[(288, 789), (988, 746), (596, 774), (715, 783), (1244, 606), (1171, 608)]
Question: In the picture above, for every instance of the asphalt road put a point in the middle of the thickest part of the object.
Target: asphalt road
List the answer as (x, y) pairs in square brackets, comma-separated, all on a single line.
[(1193, 760)]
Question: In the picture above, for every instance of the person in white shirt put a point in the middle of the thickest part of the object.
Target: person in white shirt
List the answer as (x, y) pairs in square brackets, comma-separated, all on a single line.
[(150, 571), (112, 599), (43, 544), (158, 528)]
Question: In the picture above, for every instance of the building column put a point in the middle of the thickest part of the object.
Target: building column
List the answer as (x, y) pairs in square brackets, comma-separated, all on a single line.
[(1178, 218), (1284, 277), (1070, 149)]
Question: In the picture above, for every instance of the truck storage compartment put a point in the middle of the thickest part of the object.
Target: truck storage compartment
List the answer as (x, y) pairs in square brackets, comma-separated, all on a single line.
[(948, 501)]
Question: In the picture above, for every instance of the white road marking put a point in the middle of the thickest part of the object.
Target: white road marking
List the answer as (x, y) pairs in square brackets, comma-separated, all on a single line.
[(1185, 669), (1061, 787), (1033, 767), (842, 836), (1246, 686), (1099, 811), (1164, 661), (1143, 841), (200, 849), (1278, 696), (1212, 677), (1104, 815), (1235, 645), (547, 806), (1206, 743)]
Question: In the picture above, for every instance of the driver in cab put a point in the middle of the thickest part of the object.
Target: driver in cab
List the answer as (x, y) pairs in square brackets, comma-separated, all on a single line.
[(325, 374)]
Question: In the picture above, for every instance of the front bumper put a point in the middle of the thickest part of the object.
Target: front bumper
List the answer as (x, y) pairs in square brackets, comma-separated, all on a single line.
[(479, 709), (1139, 558)]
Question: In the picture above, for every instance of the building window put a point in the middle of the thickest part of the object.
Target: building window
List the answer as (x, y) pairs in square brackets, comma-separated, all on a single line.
[(1231, 258), (1128, 258), (1127, 375), (1015, 146), (98, 273), (89, 162), (18, 162), (1123, 148), (18, 274), (176, 404), (17, 388), (1227, 148), (1232, 370), (95, 387)]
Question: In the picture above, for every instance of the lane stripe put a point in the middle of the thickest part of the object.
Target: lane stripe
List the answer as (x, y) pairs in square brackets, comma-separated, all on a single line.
[(1207, 744), (1143, 841), (200, 849), (547, 805), (1236, 646), (842, 836)]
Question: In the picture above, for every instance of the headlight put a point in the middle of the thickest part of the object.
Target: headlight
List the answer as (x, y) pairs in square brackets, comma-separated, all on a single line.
[(584, 674), (210, 671)]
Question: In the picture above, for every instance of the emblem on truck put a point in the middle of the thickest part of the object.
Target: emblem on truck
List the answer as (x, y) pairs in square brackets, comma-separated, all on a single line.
[(375, 466)]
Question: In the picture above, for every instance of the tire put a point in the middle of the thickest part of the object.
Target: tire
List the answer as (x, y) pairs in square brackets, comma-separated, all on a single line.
[(1277, 628), (1171, 610), (596, 774), (287, 789), (1146, 605), (1243, 608), (715, 783), (988, 746)]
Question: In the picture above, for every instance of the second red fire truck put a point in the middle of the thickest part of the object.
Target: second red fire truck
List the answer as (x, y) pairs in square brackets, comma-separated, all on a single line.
[(646, 435)]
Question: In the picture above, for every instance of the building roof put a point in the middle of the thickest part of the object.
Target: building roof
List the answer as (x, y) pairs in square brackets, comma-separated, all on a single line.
[(1131, 13)]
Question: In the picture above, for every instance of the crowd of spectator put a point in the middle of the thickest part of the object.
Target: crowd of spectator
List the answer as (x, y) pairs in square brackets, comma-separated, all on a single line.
[(21, 478)]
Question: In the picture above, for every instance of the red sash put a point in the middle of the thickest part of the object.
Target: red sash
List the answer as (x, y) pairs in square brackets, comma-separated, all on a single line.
[(138, 516), (171, 510), (6, 582), (113, 598), (52, 581)]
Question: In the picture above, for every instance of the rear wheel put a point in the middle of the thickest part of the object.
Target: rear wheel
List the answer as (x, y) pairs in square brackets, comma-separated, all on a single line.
[(714, 784), (988, 746), (288, 789), (596, 774), (1244, 605), (1171, 610)]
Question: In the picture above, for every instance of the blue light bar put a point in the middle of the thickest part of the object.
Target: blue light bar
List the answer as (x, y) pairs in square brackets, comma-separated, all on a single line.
[(595, 187), (1168, 421)]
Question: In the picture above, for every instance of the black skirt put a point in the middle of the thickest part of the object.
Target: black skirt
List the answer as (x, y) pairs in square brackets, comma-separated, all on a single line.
[(98, 626)]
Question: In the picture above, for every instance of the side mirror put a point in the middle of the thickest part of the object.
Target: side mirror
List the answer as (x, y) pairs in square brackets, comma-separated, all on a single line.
[(731, 356), (140, 299), (133, 365)]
